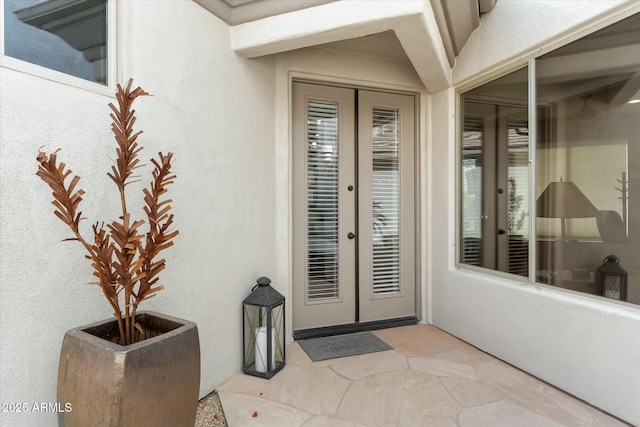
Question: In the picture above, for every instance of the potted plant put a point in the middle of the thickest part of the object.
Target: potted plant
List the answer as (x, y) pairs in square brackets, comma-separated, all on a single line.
[(141, 368)]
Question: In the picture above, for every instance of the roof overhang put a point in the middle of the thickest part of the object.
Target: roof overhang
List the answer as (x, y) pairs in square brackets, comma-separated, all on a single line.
[(235, 12), (431, 32)]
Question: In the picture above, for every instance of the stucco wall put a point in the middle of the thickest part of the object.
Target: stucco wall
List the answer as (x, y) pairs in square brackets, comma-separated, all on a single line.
[(517, 30), (214, 110), (584, 345), (227, 120)]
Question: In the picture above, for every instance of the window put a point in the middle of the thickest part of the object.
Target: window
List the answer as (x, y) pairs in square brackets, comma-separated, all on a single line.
[(586, 149), (68, 36), (495, 175)]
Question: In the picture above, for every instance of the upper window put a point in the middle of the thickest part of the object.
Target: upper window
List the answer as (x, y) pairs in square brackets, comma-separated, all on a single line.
[(68, 36), (581, 200)]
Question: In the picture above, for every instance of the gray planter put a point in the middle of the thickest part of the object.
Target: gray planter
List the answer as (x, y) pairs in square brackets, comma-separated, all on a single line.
[(152, 383)]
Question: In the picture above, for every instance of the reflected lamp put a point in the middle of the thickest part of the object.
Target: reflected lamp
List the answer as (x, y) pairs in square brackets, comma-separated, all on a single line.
[(564, 200)]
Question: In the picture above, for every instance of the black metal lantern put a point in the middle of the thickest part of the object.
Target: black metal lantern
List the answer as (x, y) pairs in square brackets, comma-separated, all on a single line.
[(611, 279), (263, 353)]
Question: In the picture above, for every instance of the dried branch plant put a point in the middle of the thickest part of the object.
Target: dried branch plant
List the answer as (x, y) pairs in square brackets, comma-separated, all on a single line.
[(123, 259)]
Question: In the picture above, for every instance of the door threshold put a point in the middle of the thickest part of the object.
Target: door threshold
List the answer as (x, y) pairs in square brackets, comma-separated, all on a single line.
[(326, 331)]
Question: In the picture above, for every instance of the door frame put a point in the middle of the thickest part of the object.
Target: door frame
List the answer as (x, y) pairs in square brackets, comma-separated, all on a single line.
[(420, 211), (318, 70)]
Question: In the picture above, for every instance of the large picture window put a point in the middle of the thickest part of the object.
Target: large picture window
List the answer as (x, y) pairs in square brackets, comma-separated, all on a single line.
[(586, 147), (68, 36)]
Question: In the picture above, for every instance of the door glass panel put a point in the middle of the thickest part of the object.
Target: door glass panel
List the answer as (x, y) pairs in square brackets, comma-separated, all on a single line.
[(322, 200), (472, 138), (518, 196), (385, 201)]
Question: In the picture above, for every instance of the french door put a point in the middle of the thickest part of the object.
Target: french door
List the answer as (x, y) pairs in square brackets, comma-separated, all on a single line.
[(354, 209), (495, 164)]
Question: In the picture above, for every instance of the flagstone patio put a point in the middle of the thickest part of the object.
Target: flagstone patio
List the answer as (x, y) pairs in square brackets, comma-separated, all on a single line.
[(429, 379)]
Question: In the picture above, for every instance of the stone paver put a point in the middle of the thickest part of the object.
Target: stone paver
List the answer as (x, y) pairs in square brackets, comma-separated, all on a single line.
[(429, 379)]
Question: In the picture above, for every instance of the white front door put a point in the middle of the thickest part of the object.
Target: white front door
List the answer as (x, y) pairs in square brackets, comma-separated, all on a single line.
[(354, 210)]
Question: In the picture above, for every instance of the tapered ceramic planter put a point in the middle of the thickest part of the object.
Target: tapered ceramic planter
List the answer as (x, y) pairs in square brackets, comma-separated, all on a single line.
[(154, 382)]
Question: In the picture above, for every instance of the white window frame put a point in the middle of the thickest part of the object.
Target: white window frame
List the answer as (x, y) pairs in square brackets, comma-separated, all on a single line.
[(528, 59), (68, 79), (460, 90)]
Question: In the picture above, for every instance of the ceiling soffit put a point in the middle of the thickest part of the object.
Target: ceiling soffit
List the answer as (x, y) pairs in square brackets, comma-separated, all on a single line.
[(431, 32), (456, 21), (235, 12)]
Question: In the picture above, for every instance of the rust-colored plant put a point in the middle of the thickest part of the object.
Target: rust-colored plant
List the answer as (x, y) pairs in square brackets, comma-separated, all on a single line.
[(123, 259)]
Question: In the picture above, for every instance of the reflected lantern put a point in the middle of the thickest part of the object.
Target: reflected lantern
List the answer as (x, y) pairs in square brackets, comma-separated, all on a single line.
[(611, 279)]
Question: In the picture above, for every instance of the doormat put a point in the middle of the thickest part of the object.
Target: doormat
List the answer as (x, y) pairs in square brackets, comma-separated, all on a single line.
[(342, 346)]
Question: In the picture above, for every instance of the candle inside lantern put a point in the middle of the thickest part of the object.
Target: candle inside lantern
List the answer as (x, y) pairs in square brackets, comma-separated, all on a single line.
[(261, 349)]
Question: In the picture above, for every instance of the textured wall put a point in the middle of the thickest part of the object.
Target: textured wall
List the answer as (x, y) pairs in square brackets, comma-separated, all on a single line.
[(226, 119), (516, 30), (214, 110)]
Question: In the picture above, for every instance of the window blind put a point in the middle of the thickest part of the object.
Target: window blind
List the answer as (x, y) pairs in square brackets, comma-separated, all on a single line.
[(472, 140), (322, 200), (517, 204), (386, 201)]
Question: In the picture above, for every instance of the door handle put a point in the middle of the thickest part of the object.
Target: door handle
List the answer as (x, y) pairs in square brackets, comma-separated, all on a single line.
[(501, 231), (351, 236)]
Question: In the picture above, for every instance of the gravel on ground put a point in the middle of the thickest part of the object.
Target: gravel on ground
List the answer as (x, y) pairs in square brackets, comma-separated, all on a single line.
[(210, 413)]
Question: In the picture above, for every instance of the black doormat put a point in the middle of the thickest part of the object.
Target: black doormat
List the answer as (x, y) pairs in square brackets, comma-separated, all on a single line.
[(342, 346)]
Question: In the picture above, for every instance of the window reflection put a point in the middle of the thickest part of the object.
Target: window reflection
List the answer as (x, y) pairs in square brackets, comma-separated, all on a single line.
[(64, 35), (587, 186), (593, 153), (495, 198)]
